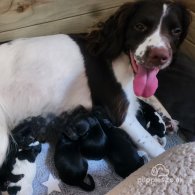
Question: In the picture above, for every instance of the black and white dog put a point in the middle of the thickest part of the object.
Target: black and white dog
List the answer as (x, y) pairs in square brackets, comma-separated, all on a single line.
[(108, 67), (24, 165), (19, 168)]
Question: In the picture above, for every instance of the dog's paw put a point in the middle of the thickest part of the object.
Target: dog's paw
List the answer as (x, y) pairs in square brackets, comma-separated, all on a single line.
[(161, 140), (144, 155), (172, 125)]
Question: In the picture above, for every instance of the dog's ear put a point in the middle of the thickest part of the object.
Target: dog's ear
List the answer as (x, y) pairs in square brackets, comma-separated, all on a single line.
[(186, 19), (108, 39)]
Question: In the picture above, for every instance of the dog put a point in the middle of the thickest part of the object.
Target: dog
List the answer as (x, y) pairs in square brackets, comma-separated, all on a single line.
[(19, 168), (93, 144), (152, 121), (6, 175), (109, 67), (80, 124), (71, 166), (80, 138), (25, 165), (122, 153)]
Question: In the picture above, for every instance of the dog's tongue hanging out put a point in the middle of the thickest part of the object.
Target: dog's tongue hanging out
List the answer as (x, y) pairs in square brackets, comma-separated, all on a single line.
[(145, 82)]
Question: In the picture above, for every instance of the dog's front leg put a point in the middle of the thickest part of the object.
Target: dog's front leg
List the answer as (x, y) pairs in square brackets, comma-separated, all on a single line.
[(4, 142), (141, 137), (4, 138)]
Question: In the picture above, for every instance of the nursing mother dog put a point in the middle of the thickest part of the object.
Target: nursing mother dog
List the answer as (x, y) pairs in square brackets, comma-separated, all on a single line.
[(108, 67)]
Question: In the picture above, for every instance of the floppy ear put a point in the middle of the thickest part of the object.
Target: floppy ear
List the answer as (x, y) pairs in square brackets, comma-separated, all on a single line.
[(186, 19), (108, 39)]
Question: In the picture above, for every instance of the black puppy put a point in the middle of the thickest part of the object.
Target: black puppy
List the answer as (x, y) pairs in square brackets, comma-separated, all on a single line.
[(82, 125), (32, 129), (93, 143), (121, 152), (71, 166)]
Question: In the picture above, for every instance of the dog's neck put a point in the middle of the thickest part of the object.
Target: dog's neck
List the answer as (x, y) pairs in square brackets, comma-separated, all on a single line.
[(122, 70), (124, 75)]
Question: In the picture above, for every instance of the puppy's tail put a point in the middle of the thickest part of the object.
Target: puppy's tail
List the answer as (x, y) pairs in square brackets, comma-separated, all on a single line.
[(90, 185)]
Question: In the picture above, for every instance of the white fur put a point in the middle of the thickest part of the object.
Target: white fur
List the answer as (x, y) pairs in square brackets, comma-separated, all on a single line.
[(160, 120), (124, 74), (29, 170), (34, 144), (39, 75), (148, 125), (154, 40)]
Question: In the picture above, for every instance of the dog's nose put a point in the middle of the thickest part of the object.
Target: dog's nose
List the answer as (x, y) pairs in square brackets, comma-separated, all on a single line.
[(158, 56)]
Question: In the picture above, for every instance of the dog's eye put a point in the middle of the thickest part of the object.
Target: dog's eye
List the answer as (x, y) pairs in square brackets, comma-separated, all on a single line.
[(140, 27), (176, 31)]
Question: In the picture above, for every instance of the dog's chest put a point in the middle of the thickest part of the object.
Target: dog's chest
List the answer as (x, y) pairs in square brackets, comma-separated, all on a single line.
[(124, 75)]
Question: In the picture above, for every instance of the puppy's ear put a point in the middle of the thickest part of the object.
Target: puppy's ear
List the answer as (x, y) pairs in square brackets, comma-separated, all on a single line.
[(108, 39)]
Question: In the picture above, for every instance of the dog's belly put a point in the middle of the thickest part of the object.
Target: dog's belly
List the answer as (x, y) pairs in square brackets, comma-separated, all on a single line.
[(41, 75)]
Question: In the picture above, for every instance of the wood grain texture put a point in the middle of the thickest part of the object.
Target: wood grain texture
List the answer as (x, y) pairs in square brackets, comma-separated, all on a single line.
[(27, 18), (75, 24), (16, 14)]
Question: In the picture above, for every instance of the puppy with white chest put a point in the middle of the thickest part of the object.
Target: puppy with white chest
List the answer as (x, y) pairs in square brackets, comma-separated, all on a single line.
[(152, 121), (25, 165), (19, 169), (108, 67)]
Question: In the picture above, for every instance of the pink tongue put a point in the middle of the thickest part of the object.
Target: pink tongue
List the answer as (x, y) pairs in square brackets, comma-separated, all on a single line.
[(145, 82)]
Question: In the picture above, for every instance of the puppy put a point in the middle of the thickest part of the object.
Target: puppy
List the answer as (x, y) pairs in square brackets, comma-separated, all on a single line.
[(25, 164), (32, 129), (71, 166), (6, 175), (121, 151), (152, 121), (80, 124), (93, 143), (19, 169)]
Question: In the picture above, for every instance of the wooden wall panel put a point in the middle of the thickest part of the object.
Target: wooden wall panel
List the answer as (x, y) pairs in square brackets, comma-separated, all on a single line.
[(40, 17), (76, 24)]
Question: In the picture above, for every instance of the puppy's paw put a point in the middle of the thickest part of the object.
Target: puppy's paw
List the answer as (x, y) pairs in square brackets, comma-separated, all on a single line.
[(82, 127), (172, 125), (70, 132)]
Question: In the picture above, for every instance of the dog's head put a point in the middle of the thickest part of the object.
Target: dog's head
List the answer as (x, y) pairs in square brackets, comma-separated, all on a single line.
[(149, 32)]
